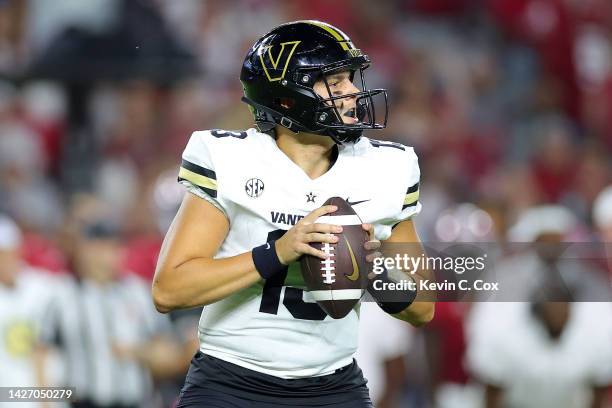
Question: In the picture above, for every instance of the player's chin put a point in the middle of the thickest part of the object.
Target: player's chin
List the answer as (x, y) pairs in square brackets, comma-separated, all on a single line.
[(349, 121)]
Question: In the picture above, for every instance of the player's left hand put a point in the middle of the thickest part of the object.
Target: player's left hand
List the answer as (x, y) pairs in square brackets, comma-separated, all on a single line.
[(372, 247)]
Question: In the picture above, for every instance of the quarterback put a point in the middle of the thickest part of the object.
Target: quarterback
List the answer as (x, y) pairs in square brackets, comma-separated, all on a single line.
[(251, 210)]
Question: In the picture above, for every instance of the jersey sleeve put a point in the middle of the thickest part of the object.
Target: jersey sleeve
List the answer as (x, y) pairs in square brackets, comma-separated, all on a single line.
[(408, 204), (197, 172)]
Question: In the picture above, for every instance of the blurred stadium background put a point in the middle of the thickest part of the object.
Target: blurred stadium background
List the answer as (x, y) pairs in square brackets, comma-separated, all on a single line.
[(508, 104)]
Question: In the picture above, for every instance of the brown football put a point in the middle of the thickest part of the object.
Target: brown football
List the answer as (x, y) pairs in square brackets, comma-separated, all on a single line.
[(338, 283)]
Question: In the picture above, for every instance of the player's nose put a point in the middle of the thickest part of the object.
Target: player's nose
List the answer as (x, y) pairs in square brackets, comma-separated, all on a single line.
[(351, 88)]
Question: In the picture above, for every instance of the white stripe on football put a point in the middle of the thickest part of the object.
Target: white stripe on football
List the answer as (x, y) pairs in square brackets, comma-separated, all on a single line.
[(339, 220), (336, 294)]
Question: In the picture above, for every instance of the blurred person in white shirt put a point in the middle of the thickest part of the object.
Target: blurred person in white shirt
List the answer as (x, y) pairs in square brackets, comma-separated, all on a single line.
[(602, 218), (547, 344), (383, 344), (602, 214), (25, 295)]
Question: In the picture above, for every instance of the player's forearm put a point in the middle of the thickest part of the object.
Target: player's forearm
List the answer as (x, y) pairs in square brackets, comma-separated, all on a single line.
[(422, 310), (202, 281), (397, 293)]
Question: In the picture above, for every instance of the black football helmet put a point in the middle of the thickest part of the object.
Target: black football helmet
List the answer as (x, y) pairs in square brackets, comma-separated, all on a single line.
[(280, 70)]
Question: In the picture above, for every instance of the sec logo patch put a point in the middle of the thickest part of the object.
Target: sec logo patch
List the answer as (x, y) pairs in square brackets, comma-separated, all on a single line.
[(254, 187)]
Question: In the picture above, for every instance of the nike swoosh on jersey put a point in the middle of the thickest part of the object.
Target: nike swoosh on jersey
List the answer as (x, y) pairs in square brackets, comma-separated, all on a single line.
[(355, 275), (356, 202)]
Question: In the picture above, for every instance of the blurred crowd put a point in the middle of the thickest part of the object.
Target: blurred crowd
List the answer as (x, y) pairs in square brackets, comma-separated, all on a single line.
[(508, 104)]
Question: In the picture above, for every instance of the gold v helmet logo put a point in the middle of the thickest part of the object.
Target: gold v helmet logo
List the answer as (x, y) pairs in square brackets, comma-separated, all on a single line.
[(355, 275), (282, 59)]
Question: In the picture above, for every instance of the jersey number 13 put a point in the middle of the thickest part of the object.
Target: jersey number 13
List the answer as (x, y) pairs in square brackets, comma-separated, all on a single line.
[(293, 299)]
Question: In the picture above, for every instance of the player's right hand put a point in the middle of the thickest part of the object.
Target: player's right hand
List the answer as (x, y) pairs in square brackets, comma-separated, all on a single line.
[(295, 243)]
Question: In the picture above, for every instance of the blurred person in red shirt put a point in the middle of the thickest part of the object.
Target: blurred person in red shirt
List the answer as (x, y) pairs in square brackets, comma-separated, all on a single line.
[(549, 27), (553, 167)]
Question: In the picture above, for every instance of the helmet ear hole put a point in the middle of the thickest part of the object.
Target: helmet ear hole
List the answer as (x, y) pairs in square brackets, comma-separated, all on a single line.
[(284, 103)]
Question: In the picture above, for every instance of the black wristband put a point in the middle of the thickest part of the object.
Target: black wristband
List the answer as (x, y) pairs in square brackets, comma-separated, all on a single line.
[(266, 260), (392, 301)]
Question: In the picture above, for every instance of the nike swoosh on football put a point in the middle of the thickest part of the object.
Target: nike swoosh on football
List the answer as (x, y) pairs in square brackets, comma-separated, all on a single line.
[(355, 275), (356, 202)]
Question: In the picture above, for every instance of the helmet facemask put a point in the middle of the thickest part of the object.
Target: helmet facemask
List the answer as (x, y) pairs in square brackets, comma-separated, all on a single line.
[(328, 118)]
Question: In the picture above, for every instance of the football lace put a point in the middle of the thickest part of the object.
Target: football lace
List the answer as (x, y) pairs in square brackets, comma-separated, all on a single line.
[(329, 276)]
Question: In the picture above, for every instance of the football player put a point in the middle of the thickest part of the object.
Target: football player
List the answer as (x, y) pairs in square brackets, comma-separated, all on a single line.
[(251, 212)]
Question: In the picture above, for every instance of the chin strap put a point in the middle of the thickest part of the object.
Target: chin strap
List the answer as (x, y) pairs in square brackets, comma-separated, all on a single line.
[(266, 119), (345, 137)]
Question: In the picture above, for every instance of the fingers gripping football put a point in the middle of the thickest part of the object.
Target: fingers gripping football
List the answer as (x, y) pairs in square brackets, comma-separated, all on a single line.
[(371, 247), (338, 282), (295, 242)]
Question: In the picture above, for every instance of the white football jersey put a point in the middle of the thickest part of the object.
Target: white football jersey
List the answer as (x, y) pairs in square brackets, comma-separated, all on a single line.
[(274, 326)]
